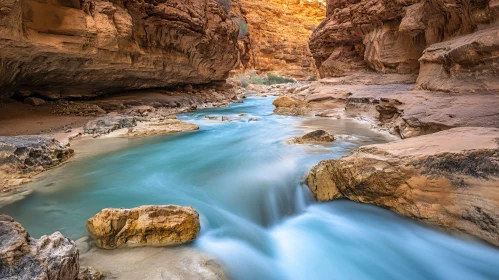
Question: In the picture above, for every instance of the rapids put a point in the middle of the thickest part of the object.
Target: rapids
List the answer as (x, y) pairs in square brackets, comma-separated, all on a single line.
[(257, 217)]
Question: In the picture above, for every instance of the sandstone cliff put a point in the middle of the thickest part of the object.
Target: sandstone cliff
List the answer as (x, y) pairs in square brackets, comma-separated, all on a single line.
[(83, 48), (274, 35), (406, 37)]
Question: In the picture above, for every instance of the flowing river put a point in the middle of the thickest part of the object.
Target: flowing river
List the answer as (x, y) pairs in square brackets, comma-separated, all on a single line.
[(256, 215)]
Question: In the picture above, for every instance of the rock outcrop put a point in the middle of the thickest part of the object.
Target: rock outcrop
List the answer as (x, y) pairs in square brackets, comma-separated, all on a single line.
[(318, 136), (144, 226), (51, 257), (22, 157), (397, 36), (274, 35), (391, 104), (74, 49), (449, 179)]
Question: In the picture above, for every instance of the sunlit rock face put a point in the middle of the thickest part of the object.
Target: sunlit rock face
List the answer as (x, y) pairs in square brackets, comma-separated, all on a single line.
[(81, 48), (406, 36), (275, 33)]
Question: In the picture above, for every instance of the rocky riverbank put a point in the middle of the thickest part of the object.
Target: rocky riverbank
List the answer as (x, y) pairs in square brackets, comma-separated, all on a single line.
[(58, 257), (133, 114)]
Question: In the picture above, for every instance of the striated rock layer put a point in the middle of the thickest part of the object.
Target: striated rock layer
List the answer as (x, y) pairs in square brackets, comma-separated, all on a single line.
[(406, 37), (85, 48), (449, 179), (144, 226), (274, 35), (23, 257)]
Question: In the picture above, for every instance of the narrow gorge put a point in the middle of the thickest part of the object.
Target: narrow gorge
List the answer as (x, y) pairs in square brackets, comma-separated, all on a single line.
[(249, 139)]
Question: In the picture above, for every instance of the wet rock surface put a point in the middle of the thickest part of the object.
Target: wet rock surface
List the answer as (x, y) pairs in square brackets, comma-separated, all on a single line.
[(390, 102), (144, 226), (22, 157), (449, 179), (318, 136), (23, 257)]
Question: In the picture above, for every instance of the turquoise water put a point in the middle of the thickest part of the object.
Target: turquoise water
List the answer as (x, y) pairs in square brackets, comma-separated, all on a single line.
[(256, 215)]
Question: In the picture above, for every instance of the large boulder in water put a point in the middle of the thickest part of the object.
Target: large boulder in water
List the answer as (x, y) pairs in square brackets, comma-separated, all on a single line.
[(449, 179), (144, 226), (23, 257)]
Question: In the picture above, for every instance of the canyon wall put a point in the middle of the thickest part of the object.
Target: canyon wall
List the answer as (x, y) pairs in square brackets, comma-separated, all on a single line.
[(453, 45), (274, 35), (78, 48)]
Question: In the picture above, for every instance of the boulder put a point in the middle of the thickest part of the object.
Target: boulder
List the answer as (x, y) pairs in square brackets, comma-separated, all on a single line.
[(34, 101), (51, 257), (144, 226), (108, 124), (317, 136), (286, 105), (449, 179)]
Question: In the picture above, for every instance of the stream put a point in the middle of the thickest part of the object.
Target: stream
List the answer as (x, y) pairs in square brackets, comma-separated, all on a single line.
[(257, 217)]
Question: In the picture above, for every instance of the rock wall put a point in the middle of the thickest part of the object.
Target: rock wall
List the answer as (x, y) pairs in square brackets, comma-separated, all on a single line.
[(405, 36), (75, 48), (274, 35)]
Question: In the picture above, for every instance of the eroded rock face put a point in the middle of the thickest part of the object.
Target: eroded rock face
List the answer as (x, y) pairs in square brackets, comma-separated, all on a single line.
[(391, 37), (61, 49), (465, 64), (22, 157), (449, 179), (275, 34), (23, 257), (144, 226)]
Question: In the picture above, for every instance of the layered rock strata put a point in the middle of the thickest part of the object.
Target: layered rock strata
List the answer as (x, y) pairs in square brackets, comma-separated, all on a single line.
[(449, 179), (144, 226), (274, 35), (74, 49), (451, 44), (390, 103)]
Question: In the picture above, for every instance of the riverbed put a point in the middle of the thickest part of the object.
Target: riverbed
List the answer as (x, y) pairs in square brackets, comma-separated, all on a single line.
[(257, 216)]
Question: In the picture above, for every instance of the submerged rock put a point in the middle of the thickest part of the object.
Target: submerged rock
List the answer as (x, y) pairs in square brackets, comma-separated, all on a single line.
[(22, 157), (144, 226), (318, 136), (90, 273), (449, 179), (23, 257)]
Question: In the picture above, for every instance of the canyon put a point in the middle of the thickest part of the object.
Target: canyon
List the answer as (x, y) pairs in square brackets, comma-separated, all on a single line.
[(382, 102)]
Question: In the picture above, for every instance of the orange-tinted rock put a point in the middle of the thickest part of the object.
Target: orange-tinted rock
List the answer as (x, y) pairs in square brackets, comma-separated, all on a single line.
[(144, 226), (449, 179), (391, 36), (277, 35), (82, 48)]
